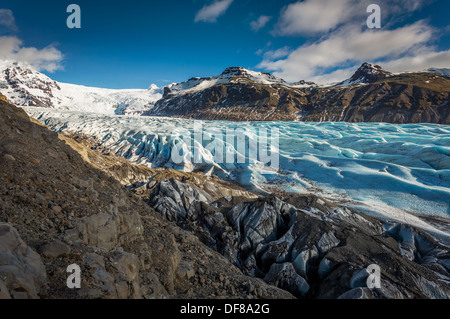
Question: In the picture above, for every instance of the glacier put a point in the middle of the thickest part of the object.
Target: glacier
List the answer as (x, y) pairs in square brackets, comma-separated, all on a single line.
[(397, 171)]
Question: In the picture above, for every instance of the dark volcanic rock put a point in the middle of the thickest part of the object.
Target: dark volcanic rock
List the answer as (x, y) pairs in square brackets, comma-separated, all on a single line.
[(309, 246)]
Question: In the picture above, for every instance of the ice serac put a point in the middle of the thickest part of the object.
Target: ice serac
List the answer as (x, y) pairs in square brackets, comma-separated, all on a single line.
[(24, 86)]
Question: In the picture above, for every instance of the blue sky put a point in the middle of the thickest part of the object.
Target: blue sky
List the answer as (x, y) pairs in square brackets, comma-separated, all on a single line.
[(132, 44)]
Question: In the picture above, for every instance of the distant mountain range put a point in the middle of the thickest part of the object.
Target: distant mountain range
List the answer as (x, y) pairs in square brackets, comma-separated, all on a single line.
[(371, 94)]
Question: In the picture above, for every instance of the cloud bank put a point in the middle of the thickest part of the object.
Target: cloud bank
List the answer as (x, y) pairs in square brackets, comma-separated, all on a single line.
[(313, 16), (341, 41)]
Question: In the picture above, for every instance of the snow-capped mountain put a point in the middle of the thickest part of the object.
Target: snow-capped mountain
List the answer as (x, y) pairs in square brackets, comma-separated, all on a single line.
[(24, 86), (230, 75), (371, 94), (367, 73)]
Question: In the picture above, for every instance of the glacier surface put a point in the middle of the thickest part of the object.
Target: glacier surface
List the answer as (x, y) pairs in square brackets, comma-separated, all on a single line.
[(400, 171)]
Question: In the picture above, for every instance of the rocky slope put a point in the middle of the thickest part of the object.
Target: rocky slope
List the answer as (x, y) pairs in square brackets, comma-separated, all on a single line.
[(370, 95)]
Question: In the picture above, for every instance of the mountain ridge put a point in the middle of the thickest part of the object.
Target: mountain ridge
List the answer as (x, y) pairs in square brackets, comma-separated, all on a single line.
[(371, 94)]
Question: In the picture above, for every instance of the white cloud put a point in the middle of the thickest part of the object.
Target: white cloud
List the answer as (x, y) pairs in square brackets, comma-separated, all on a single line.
[(12, 48), (339, 40), (260, 23), (333, 55), (277, 54), (7, 20), (335, 76), (408, 5), (313, 16), (310, 17), (47, 59), (419, 62), (210, 13)]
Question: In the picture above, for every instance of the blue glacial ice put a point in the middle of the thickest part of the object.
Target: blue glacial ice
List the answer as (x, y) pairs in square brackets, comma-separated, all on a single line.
[(393, 170)]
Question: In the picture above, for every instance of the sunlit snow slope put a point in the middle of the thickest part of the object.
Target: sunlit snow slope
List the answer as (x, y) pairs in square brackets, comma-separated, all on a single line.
[(375, 166), (24, 86)]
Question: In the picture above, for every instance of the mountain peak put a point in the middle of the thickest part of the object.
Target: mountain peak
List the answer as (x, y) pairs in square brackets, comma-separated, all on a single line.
[(234, 70), (255, 76), (369, 73)]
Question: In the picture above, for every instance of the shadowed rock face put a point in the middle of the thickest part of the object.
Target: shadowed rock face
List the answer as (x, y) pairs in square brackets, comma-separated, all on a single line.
[(370, 95), (308, 246)]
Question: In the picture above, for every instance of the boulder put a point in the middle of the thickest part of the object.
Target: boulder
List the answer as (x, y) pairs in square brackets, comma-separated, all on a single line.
[(327, 241), (127, 275), (22, 273), (54, 249), (98, 230), (107, 230)]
